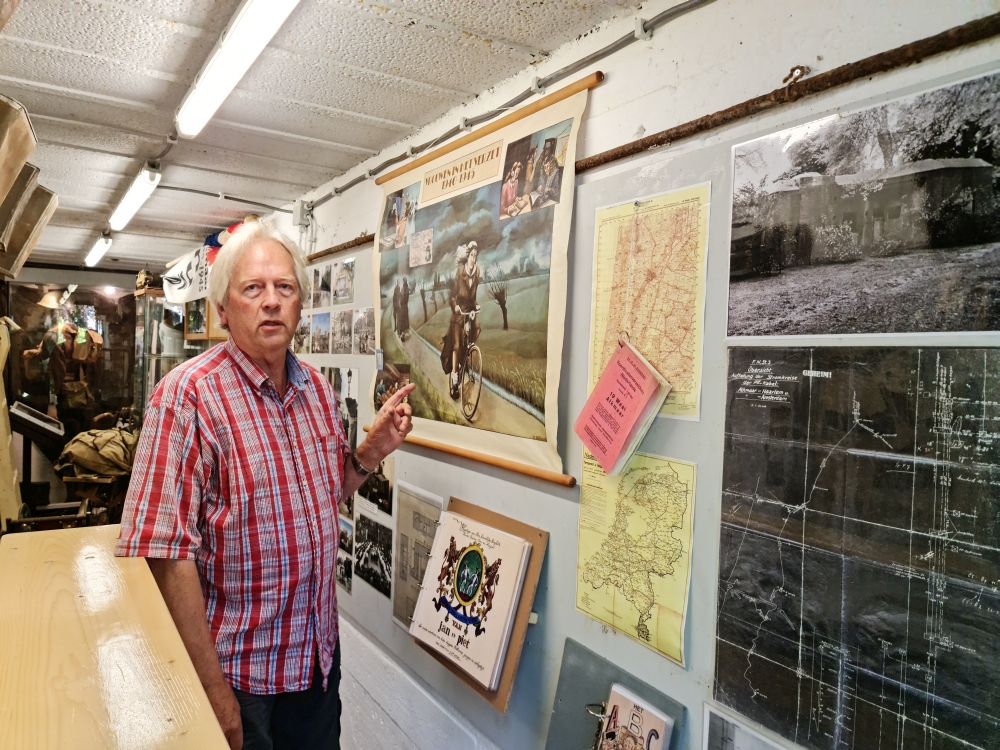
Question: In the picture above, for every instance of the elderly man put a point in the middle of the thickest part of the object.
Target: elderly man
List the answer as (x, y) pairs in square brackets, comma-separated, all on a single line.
[(233, 501)]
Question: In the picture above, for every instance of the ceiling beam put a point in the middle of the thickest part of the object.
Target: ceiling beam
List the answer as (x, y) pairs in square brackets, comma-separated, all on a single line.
[(344, 114), (101, 126), (89, 55), (291, 137), (89, 96)]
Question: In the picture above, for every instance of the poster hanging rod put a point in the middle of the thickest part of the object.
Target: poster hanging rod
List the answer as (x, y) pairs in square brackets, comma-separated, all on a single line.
[(882, 62), (594, 79), (564, 480), (364, 239)]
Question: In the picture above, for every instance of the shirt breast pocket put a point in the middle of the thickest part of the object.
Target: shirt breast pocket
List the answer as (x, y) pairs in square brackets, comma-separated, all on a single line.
[(324, 462)]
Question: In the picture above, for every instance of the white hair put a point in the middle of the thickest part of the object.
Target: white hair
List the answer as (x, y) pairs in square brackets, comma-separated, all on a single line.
[(242, 240)]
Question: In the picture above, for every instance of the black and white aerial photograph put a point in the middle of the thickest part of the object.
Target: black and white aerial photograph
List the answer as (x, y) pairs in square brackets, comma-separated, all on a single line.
[(882, 220), (373, 553)]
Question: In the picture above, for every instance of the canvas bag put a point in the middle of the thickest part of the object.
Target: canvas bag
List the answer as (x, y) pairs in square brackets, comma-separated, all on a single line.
[(76, 393)]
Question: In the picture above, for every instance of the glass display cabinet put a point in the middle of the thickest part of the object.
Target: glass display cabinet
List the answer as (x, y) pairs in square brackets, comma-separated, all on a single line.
[(160, 344)]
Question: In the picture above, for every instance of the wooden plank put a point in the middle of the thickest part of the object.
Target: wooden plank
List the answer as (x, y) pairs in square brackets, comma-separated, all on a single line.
[(91, 656), (564, 480)]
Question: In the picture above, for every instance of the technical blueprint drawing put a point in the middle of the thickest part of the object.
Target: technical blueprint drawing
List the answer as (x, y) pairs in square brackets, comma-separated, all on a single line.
[(859, 571)]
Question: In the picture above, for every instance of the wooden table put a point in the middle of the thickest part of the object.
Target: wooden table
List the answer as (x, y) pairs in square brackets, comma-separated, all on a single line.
[(90, 657)]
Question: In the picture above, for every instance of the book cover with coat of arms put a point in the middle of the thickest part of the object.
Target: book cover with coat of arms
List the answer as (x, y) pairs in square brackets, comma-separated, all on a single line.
[(471, 587)]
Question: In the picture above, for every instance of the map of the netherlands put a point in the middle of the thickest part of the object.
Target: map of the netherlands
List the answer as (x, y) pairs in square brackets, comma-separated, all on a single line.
[(859, 571), (634, 560), (649, 285)]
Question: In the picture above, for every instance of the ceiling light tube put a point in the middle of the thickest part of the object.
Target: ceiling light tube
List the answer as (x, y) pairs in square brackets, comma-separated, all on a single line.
[(97, 252), (251, 28), (138, 193)]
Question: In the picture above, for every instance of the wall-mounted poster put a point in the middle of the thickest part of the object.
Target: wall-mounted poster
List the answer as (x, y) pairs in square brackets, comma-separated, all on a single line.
[(634, 554), (724, 732), (345, 384), (859, 564), (320, 339), (397, 217), (321, 285), (376, 490), (343, 281), (417, 514), (300, 341), (340, 334), (881, 220), (373, 553), (472, 278), (346, 540), (364, 331), (649, 287), (388, 380), (345, 574)]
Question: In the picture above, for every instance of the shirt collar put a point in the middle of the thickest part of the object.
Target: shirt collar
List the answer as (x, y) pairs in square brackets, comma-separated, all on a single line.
[(296, 374)]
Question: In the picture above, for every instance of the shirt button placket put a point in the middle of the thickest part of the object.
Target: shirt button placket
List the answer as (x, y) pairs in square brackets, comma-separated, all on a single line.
[(294, 440)]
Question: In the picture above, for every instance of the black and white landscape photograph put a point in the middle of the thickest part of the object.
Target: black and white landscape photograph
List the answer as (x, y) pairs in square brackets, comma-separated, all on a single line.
[(373, 553), (881, 220)]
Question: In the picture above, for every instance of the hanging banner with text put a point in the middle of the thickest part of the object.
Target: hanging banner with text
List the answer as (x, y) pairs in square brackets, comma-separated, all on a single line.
[(187, 278), (472, 276)]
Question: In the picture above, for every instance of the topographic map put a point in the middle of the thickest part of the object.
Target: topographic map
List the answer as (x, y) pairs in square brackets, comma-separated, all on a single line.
[(859, 571), (635, 549), (649, 285)]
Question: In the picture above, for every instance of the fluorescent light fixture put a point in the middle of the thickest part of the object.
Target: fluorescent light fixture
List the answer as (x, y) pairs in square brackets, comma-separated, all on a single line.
[(138, 193), (251, 28), (100, 247)]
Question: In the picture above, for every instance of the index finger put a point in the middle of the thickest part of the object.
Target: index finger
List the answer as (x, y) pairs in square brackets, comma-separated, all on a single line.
[(397, 398)]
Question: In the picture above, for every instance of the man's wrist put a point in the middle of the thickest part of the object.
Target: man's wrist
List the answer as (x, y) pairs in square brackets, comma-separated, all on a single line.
[(361, 466)]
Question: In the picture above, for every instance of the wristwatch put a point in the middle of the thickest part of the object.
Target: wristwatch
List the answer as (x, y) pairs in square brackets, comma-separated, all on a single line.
[(359, 468)]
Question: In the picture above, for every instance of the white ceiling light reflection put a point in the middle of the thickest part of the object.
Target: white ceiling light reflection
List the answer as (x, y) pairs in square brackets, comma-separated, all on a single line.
[(98, 578), (140, 702)]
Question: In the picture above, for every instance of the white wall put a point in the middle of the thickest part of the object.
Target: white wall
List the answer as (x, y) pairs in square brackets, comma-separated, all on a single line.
[(718, 56)]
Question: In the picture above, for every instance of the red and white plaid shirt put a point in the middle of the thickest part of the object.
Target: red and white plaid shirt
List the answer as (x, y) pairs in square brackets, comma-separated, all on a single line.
[(245, 483)]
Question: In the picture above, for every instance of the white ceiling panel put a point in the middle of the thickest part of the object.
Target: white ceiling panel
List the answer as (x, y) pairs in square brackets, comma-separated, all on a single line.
[(341, 81)]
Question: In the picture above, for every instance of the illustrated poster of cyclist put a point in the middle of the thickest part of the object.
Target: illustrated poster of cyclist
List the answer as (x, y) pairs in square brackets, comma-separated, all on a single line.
[(472, 277)]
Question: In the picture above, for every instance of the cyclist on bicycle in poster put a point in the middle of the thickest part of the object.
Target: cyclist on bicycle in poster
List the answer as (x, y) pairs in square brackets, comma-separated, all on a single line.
[(464, 289)]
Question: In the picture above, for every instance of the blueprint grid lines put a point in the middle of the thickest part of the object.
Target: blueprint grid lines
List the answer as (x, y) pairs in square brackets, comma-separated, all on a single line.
[(888, 462)]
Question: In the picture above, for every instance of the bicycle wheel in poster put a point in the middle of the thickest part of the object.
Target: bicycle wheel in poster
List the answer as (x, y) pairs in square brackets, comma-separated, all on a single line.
[(472, 383)]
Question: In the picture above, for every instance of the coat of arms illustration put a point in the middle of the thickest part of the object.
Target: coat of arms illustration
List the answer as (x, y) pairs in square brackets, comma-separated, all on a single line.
[(466, 585)]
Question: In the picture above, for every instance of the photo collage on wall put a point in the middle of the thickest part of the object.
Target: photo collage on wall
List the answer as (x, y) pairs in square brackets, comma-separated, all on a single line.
[(373, 516), (329, 325), (345, 382)]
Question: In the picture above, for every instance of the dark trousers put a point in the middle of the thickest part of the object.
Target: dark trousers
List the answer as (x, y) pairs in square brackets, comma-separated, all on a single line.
[(295, 721)]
